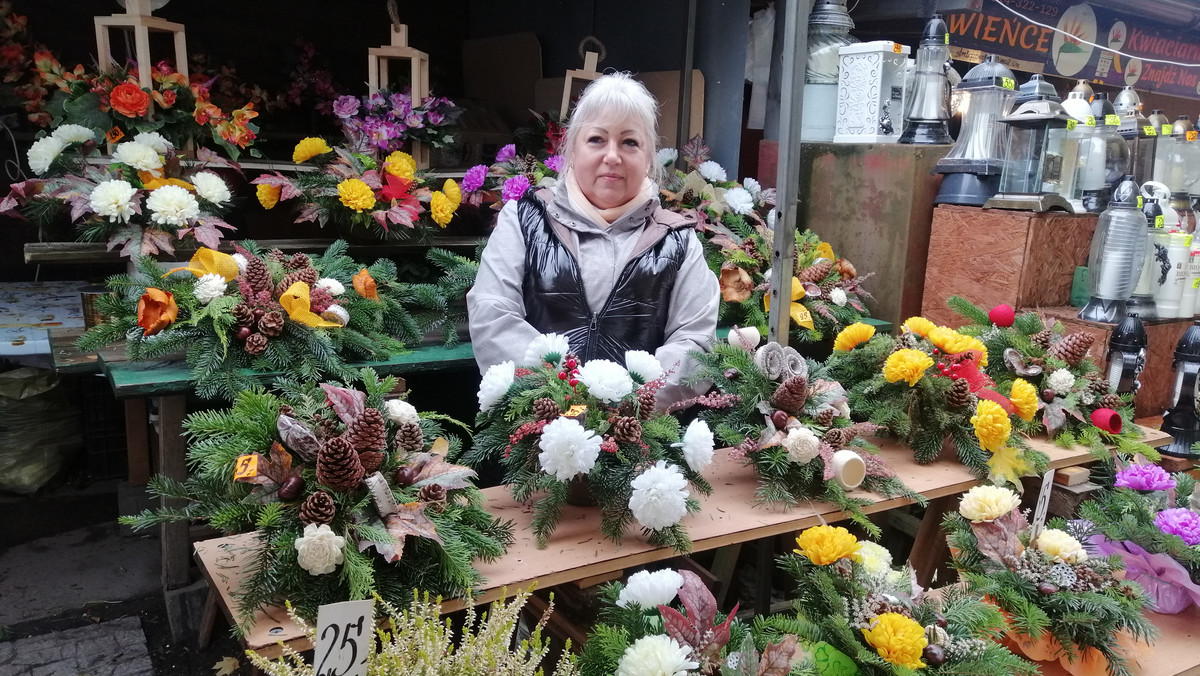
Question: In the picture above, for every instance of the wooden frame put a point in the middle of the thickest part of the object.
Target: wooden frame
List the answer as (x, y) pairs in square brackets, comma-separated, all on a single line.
[(377, 76), (137, 16), (590, 60)]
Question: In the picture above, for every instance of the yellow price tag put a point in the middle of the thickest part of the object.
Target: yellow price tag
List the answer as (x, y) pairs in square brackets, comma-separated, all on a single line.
[(1089, 121), (1008, 83), (1139, 201), (1112, 120), (1196, 283), (1148, 130), (1071, 124), (1191, 135), (1160, 221), (1166, 130), (1187, 241), (802, 316), (896, 48), (247, 467), (947, 38)]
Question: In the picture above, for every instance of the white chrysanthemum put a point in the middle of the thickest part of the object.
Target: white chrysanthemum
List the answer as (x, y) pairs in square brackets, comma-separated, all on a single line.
[(838, 296), (568, 448), (876, 560), (544, 345), (712, 172), (73, 133), (138, 155), (401, 412), (752, 186), (210, 187), (241, 263), (659, 498), (987, 503), (114, 200), (697, 445), (496, 381), (843, 408), (606, 380), (656, 655), (651, 590), (172, 205), (1087, 398), (333, 286), (319, 550), (643, 365), (336, 314), (1061, 381), (209, 288), (802, 445), (666, 156), (43, 152), (739, 201), (155, 140), (1060, 546)]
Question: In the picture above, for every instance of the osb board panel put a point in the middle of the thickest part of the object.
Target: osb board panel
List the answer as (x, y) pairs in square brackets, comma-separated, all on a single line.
[(1174, 652), (1057, 243)]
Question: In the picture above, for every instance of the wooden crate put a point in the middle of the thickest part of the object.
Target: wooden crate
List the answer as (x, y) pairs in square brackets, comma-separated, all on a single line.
[(994, 256)]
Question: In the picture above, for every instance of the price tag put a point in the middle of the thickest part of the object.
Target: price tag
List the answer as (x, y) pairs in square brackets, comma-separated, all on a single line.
[(1008, 83), (1187, 241), (247, 467), (896, 48), (1112, 120), (1148, 130), (344, 631), (1196, 283), (1139, 202), (802, 316), (1191, 135), (1166, 130), (1043, 503), (115, 134), (1089, 121), (1071, 124), (947, 38), (1160, 221)]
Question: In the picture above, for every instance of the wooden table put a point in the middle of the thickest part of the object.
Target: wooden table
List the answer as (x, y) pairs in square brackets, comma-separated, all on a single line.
[(1175, 652), (577, 550)]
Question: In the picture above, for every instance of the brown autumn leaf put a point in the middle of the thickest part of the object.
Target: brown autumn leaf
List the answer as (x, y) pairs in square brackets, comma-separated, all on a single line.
[(298, 438), (435, 470), (776, 659), (228, 666), (736, 284), (272, 470), (410, 519)]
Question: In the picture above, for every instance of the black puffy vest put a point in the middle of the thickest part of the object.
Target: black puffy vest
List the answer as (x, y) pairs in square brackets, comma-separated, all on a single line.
[(634, 316)]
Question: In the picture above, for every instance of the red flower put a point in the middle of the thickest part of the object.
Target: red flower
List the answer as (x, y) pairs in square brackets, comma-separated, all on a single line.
[(396, 188), (129, 100), (165, 98)]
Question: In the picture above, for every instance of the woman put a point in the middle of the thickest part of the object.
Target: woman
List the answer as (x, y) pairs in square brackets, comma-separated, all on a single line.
[(597, 259)]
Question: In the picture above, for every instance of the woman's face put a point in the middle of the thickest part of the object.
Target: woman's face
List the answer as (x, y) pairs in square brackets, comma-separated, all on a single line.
[(610, 159)]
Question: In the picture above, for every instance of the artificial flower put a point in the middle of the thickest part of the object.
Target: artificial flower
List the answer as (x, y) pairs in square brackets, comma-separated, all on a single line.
[(952, 342), (298, 305), (129, 100), (115, 200), (555, 163), (43, 152), (401, 412), (268, 195), (441, 207), (354, 194), (401, 165), (547, 347), (992, 426), (568, 448), (496, 381), (798, 312), (207, 261), (1060, 546), (650, 589), (337, 315), (507, 153), (838, 297), (642, 365), (739, 201), (172, 205), (736, 284), (752, 186), (319, 550), (395, 189), (697, 444), (606, 380), (824, 545), (452, 191), (155, 140), (73, 133), (659, 498), (209, 288), (1182, 522), (156, 310), (1146, 477), (919, 326), (138, 155), (241, 262), (364, 285), (1024, 399), (210, 187), (1007, 464), (309, 148), (898, 639), (907, 365), (802, 445), (514, 188), (152, 182), (712, 172), (1061, 381), (345, 106), (987, 503), (852, 336), (875, 559), (665, 156), (473, 179), (656, 655), (333, 286)]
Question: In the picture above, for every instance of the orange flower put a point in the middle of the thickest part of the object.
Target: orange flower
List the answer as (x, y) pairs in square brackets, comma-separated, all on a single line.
[(156, 310), (736, 284), (129, 100), (364, 284)]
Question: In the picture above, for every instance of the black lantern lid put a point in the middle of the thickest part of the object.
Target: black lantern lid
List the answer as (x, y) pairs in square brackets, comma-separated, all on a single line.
[(1126, 194), (935, 32), (989, 74), (1153, 213), (1130, 335), (1035, 88), (1188, 347)]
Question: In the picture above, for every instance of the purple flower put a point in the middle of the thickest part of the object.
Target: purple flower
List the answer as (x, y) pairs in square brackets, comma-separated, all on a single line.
[(514, 188), (376, 100), (380, 132), (555, 163), (1182, 522), (401, 100), (434, 118), (345, 106), (414, 121), (507, 153), (473, 180), (1145, 478)]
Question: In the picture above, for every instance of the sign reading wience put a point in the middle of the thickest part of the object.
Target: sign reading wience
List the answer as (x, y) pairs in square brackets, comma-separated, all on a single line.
[(1029, 47)]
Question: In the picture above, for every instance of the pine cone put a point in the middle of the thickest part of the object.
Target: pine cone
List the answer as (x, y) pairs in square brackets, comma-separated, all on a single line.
[(371, 461), (838, 437), (367, 433), (317, 508), (791, 395), (1110, 400), (959, 394), (1098, 385), (546, 409), (751, 250), (1072, 348), (338, 465), (328, 428), (825, 417), (298, 261), (243, 314), (271, 324), (815, 273), (432, 493), (879, 605), (647, 400), (409, 438), (256, 344), (748, 445), (627, 430), (277, 256), (307, 275), (257, 275), (285, 409), (1042, 338)]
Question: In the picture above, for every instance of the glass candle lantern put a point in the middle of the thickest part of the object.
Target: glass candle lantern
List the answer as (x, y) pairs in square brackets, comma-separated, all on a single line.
[(972, 167), (1127, 355), (1089, 167), (1153, 277), (1142, 138), (1162, 124), (1036, 88), (1181, 421), (1079, 101), (1037, 157), (829, 27), (927, 111), (1117, 254), (870, 92)]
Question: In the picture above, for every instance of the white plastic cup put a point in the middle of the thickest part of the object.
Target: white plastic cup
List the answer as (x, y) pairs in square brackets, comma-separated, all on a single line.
[(849, 469)]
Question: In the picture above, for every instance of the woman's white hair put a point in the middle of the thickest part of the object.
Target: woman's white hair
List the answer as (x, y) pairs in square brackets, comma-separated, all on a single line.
[(616, 96)]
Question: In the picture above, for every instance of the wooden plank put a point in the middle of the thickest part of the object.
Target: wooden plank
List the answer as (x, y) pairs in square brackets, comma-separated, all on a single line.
[(929, 546), (89, 252), (1072, 476), (137, 442), (172, 464), (1174, 652)]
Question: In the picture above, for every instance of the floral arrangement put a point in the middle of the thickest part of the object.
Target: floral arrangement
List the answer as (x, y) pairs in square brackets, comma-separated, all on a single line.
[(144, 201), (351, 188), (510, 177), (419, 634), (565, 428), (928, 388), (15, 48), (441, 306), (785, 416), (257, 312), (1061, 602), (348, 489), (383, 122), (642, 632), (1146, 520), (1074, 399), (855, 613)]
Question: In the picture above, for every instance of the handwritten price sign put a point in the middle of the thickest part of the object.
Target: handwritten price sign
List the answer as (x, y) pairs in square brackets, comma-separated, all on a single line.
[(343, 634)]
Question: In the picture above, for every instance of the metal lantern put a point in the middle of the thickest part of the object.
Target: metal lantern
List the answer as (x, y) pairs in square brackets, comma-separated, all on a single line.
[(927, 111), (1038, 157), (1117, 255), (1127, 101), (870, 92), (1127, 355), (1036, 88), (1181, 421), (1137, 131), (829, 27), (1079, 101), (973, 165)]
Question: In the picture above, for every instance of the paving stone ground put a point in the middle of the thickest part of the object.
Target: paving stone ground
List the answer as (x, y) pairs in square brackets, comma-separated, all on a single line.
[(114, 648)]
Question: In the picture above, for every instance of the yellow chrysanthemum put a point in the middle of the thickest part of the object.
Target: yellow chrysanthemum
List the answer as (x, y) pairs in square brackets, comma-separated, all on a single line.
[(1024, 397), (453, 192), (309, 148), (907, 365), (992, 426), (824, 545), (919, 326), (852, 336), (400, 164), (441, 208), (356, 195), (268, 195), (950, 341), (1060, 546), (898, 639)]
